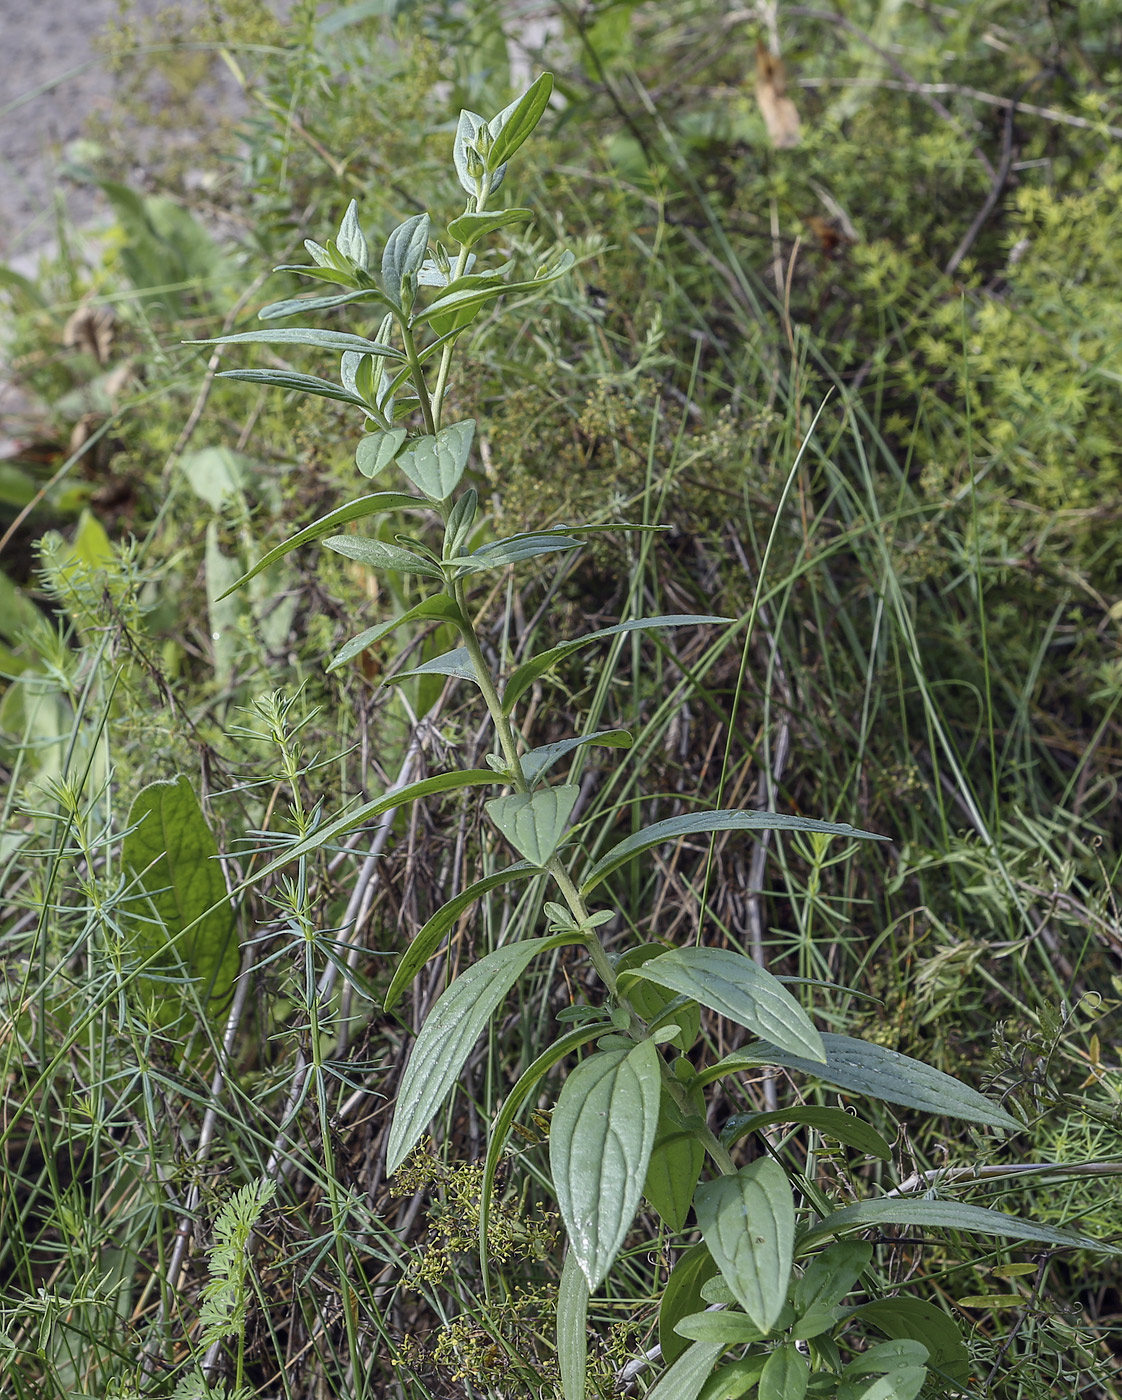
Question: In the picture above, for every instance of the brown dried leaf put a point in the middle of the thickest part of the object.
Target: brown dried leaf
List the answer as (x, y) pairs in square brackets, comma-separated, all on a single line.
[(781, 116), (90, 328)]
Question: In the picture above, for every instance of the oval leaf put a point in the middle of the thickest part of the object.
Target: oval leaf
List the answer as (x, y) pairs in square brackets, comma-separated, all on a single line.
[(376, 451), (534, 822), (435, 464), (905, 1318), (446, 1039), (736, 987), (675, 1166), (600, 1143), (785, 1376), (538, 761), (730, 1328), (748, 1222), (831, 1275)]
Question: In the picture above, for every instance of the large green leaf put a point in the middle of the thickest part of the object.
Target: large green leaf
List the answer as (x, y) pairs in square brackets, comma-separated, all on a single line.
[(903, 1384), (430, 937), (734, 1380), (376, 504), (378, 555), (946, 1215), (698, 823), (735, 987), (514, 124), (337, 341), (181, 913), (682, 1296), (915, 1318), (572, 1329), (832, 1122), (534, 822), (748, 1222), (525, 675), (600, 1141), (684, 1380), (860, 1067), (446, 1039), (368, 811), (675, 1166), (438, 608), (831, 1275), (435, 464)]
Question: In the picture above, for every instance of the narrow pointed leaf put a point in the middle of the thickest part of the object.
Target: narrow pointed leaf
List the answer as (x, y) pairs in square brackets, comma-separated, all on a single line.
[(512, 551), (338, 341), (534, 822), (294, 306), (378, 555), (860, 1067), (572, 1329), (430, 937), (515, 123), (453, 1026), (435, 464), (945, 1215), (525, 675), (296, 383), (832, 1122), (673, 828), (438, 608), (738, 988), (537, 762), (748, 1222), (729, 1328), (368, 811), (468, 229), (685, 1378), (464, 301), (377, 504), (600, 1142), (457, 663)]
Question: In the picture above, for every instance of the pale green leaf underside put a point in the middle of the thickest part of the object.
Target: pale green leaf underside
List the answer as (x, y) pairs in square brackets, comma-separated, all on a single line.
[(537, 762), (600, 1142), (446, 1039), (338, 341), (456, 663), (378, 555), (700, 823), (860, 1067), (748, 1222), (736, 987), (534, 822), (572, 1331)]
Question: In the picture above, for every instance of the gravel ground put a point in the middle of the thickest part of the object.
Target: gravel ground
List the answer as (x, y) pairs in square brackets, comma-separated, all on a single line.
[(52, 83)]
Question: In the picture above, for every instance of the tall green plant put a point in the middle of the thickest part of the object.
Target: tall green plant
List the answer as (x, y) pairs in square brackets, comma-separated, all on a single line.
[(774, 1260)]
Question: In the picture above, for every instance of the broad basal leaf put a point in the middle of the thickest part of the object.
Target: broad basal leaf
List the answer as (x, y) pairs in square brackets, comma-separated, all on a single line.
[(179, 907), (446, 1039), (600, 1141), (860, 1067), (748, 1222), (735, 987)]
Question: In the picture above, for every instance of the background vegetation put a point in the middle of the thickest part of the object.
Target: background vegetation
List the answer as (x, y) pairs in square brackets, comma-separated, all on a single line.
[(900, 338)]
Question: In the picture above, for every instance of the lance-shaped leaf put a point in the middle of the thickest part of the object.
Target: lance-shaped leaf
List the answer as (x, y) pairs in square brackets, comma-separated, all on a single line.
[(515, 123), (404, 253), (539, 761), (294, 306), (446, 1039), (534, 822), (831, 1122), (675, 1166), (600, 1141), (831, 1275), (340, 342), (748, 1222), (738, 988), (453, 301), (381, 556), (468, 128), (572, 1329), (438, 608), (730, 1328), (179, 907), (377, 504), (469, 228), (860, 1067), (435, 464), (945, 1215), (700, 823), (689, 1373), (524, 676), (511, 551), (296, 383), (456, 663), (368, 811), (430, 937)]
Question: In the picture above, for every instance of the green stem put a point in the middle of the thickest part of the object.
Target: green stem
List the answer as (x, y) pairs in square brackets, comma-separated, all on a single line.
[(418, 376), (458, 271)]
